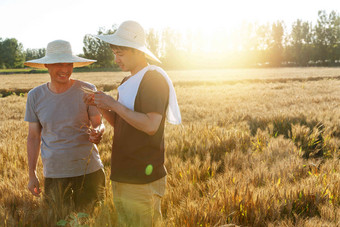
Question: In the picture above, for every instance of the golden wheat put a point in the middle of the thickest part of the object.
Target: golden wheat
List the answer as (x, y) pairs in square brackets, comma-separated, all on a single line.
[(250, 152)]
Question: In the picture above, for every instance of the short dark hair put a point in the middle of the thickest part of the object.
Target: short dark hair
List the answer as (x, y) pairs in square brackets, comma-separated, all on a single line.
[(115, 47)]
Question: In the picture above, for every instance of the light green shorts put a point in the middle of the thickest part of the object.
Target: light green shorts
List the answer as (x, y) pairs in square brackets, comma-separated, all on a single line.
[(139, 204)]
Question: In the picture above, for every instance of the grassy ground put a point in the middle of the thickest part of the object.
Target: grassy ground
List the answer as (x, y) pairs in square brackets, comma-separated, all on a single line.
[(256, 148), (109, 80)]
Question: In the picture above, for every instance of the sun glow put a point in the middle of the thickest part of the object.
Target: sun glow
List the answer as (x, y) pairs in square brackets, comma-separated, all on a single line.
[(210, 23)]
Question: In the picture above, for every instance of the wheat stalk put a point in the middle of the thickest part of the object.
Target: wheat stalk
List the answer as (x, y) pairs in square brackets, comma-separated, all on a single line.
[(87, 90), (88, 130)]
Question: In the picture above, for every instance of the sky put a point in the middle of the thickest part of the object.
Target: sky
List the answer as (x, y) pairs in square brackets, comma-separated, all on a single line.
[(35, 23)]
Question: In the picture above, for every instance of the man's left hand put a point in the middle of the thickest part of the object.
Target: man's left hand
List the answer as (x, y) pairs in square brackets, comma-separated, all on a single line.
[(104, 101)]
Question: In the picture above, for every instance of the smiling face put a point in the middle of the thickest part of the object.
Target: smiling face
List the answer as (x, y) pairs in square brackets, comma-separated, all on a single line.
[(60, 73)]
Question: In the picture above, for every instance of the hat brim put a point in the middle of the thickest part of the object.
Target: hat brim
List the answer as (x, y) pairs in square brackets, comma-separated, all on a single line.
[(59, 58), (116, 40)]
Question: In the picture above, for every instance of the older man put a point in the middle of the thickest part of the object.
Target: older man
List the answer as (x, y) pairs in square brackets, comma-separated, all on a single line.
[(146, 99), (66, 130)]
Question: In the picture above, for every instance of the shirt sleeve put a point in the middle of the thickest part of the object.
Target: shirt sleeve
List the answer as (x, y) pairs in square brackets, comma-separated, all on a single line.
[(31, 115), (154, 93)]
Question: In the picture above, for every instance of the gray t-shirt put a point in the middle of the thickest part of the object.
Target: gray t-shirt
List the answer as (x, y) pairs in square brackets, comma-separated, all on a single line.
[(65, 148)]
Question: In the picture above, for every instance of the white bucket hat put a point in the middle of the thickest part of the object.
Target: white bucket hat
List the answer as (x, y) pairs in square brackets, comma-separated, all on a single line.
[(129, 34), (59, 51)]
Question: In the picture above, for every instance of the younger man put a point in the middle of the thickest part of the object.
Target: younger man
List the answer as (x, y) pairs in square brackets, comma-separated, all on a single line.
[(146, 99)]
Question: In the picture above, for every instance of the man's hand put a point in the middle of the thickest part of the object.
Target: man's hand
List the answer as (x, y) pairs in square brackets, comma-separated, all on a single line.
[(33, 186), (88, 99), (33, 148), (96, 135), (103, 101), (100, 100)]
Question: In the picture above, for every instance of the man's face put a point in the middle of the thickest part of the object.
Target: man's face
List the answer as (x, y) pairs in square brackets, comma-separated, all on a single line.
[(126, 59), (60, 72)]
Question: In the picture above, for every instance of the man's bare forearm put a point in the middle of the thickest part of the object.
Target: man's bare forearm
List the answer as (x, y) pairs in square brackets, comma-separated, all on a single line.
[(96, 122), (33, 148), (108, 115), (148, 123)]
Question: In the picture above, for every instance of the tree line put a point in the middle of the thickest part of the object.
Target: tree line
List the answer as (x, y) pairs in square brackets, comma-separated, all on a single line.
[(13, 55), (249, 45)]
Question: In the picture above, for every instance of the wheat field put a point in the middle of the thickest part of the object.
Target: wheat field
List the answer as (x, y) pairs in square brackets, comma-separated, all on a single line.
[(257, 147)]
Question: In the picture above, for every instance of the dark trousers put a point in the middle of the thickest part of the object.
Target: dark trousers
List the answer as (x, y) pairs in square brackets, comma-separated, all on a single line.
[(78, 192)]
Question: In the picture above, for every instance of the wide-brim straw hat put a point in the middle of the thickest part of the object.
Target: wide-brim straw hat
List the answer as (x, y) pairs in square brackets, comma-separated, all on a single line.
[(59, 51), (129, 34)]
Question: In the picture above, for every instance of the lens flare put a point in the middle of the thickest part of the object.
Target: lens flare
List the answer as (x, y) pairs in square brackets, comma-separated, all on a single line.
[(148, 169)]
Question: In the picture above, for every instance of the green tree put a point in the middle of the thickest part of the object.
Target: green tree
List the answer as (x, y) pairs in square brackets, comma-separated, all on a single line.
[(99, 50), (301, 42), (334, 36), (263, 39), (153, 42), (327, 37), (248, 45), (11, 54), (2, 64), (31, 54), (276, 46)]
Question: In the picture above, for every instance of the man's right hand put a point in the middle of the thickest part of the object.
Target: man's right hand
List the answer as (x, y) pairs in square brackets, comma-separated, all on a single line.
[(89, 99), (33, 186), (96, 135)]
